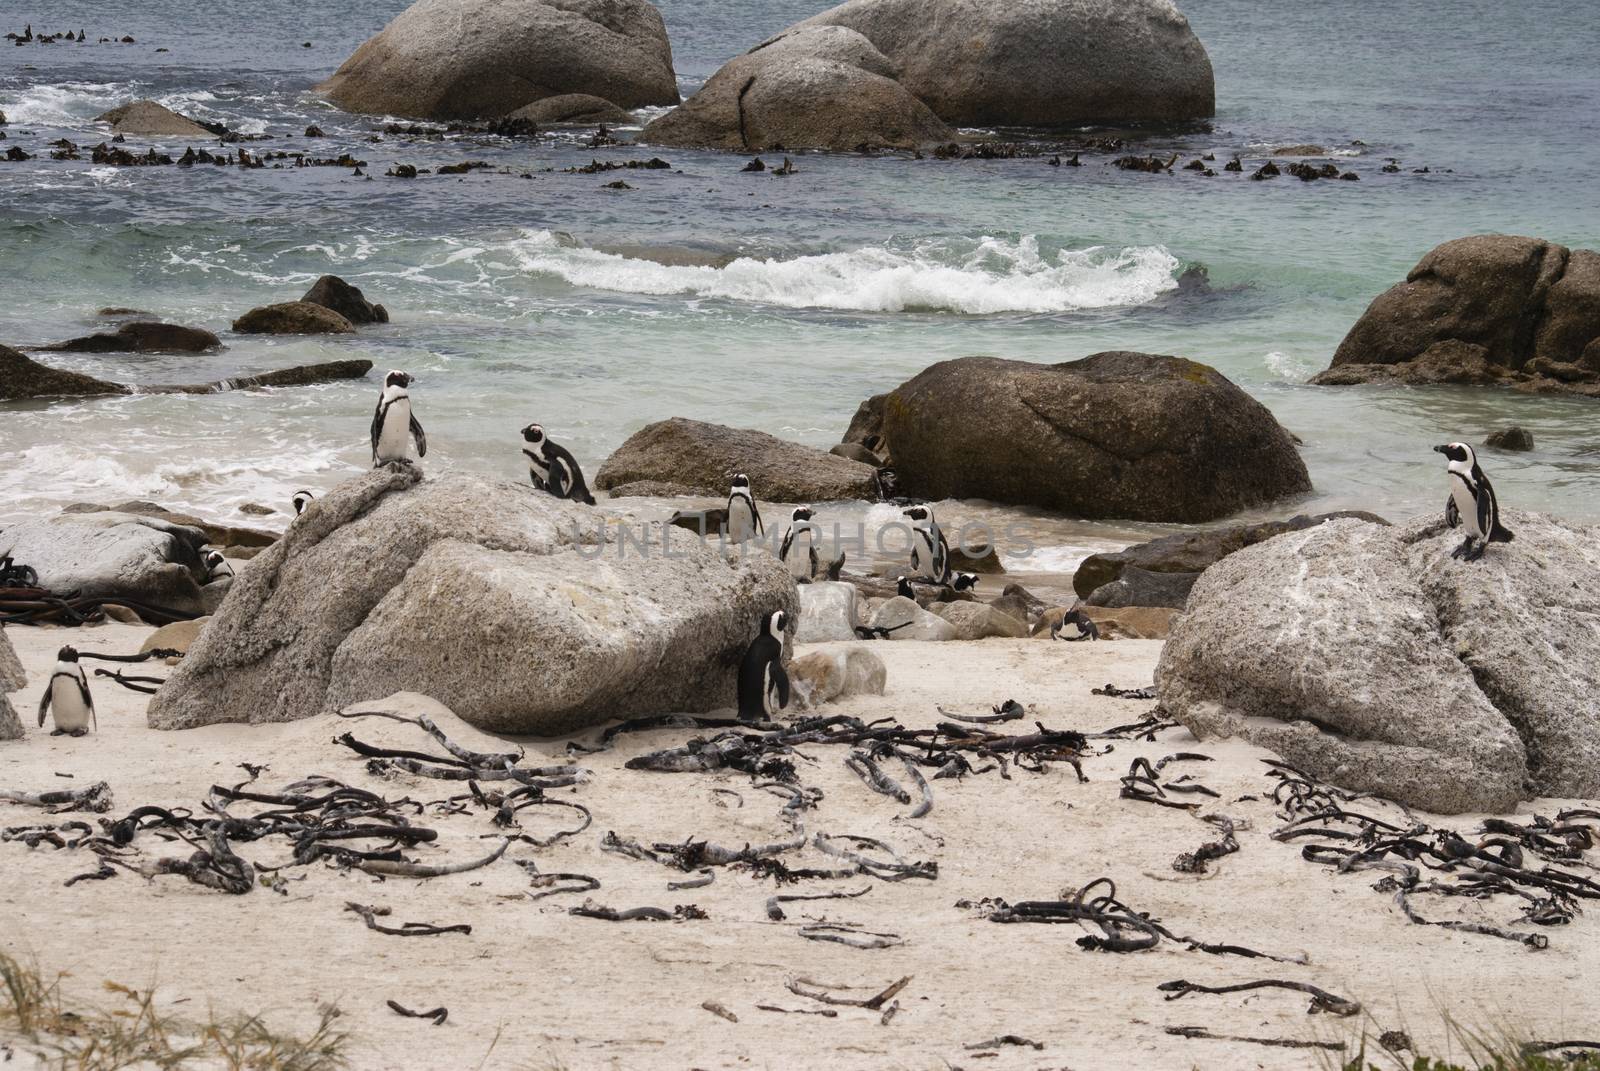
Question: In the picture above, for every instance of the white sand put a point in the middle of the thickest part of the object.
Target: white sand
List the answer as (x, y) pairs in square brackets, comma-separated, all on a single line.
[(562, 991)]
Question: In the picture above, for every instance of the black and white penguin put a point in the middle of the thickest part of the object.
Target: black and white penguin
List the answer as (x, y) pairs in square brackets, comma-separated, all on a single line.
[(552, 467), (744, 519), (965, 581), (763, 684), (66, 695), (216, 565), (1087, 629), (930, 554), (903, 588), (1471, 503), (302, 499), (799, 549), (394, 425)]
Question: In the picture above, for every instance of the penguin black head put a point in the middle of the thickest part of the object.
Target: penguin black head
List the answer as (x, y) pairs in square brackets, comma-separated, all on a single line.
[(903, 587), (965, 581), (802, 514), (919, 513), (533, 433), (1457, 453), (302, 499), (213, 558), (741, 482), (67, 654), (777, 624), (397, 379)]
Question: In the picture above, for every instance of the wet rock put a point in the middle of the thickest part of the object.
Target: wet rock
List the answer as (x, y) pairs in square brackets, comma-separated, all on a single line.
[(979, 621), (823, 676), (572, 108), (1036, 64), (908, 621), (332, 292), (256, 509), (827, 612), (1267, 170), (824, 87), (314, 131), (23, 377), (293, 318), (974, 557), (539, 592), (1127, 435), (112, 555), (699, 458), (1300, 150), (1487, 310), (1513, 438), (1153, 165), (302, 375), (1140, 587), (143, 336), (1192, 552), (402, 171), (1368, 657), (466, 59), (147, 118)]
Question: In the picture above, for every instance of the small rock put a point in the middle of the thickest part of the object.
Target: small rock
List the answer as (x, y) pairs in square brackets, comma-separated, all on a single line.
[(255, 509), (1513, 438), (144, 336), (827, 612), (1300, 150), (147, 118), (314, 131), (12, 676), (822, 676), (857, 452), (293, 318), (979, 621), (332, 292), (174, 637), (911, 622)]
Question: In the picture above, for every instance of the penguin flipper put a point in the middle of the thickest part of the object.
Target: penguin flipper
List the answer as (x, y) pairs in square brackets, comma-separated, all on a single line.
[(1489, 514), (1452, 516), (377, 430), (44, 701), (420, 435), (781, 679), (813, 571), (788, 545)]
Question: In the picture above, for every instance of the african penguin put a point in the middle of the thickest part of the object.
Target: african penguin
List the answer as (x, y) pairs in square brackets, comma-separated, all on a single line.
[(302, 499), (965, 581), (744, 519), (930, 554), (763, 684), (67, 696), (903, 588), (216, 565), (1471, 503), (1087, 629), (393, 424), (552, 467), (799, 550)]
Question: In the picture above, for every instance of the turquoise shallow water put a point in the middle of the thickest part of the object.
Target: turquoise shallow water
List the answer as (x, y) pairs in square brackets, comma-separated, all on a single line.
[(544, 297)]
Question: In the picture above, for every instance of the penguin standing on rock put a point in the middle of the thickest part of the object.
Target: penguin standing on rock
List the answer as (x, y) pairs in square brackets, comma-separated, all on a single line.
[(394, 425), (552, 467), (763, 684), (67, 696), (930, 553), (799, 550), (302, 499), (744, 519), (1472, 503)]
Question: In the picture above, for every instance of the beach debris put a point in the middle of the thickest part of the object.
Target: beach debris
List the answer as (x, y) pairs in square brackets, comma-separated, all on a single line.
[(826, 1013), (719, 1011), (1281, 1043), (1010, 710), (1404, 847), (145, 685), (1321, 999), (1195, 862), (850, 936), (438, 1015), (370, 916), (805, 987), (551, 884), (96, 799), (1142, 781), (595, 167), (1004, 1040), (1147, 164), (680, 913), (775, 910), (1112, 691)]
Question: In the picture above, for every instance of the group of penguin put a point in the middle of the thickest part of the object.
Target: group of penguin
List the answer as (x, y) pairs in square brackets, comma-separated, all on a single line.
[(763, 685)]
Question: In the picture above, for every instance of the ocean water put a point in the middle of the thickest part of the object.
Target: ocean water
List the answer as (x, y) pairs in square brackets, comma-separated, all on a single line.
[(528, 293)]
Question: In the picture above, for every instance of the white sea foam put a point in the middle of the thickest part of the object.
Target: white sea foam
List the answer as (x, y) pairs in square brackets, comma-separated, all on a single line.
[(1292, 367), (977, 276), (67, 104)]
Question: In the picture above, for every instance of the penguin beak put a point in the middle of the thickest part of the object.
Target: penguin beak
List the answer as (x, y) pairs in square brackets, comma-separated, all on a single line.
[(1438, 449)]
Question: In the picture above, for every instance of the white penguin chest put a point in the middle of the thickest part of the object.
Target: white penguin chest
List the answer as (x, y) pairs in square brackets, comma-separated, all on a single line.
[(395, 434), (1466, 505), (67, 705), (799, 557), (741, 519)]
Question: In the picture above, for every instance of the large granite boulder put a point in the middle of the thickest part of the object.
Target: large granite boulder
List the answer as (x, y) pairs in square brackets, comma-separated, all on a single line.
[(1368, 657), (1124, 435), (114, 556), (293, 318), (823, 87), (688, 457), (143, 336), (979, 621), (828, 611), (1186, 554), (905, 620), (523, 609), (468, 59), (146, 118), (1492, 309), (23, 377), (12, 675), (10, 724), (1143, 587), (346, 299)]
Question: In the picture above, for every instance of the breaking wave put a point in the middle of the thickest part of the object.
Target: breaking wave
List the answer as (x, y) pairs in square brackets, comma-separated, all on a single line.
[(962, 275)]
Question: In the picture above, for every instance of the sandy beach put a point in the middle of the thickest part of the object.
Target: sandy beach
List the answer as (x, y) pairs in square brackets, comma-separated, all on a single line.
[(533, 986)]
